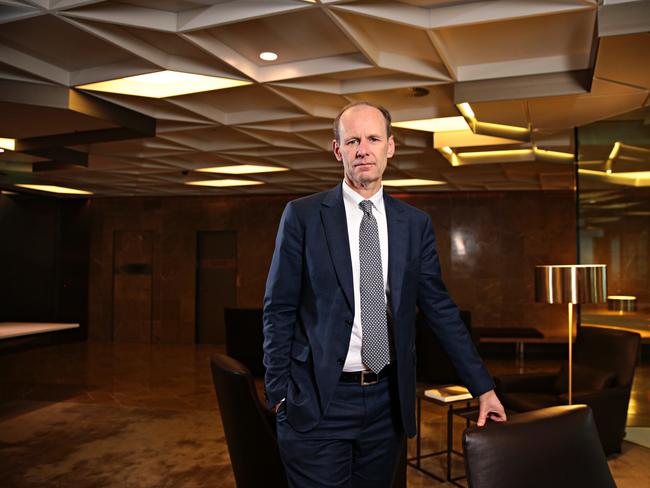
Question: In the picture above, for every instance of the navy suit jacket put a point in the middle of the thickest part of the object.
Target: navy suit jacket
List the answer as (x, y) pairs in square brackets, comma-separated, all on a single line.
[(309, 307)]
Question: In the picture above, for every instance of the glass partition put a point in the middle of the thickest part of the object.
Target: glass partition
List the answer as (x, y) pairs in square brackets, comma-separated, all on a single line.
[(614, 216)]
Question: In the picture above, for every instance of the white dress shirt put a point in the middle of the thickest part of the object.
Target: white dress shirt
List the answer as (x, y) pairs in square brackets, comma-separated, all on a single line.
[(353, 215)]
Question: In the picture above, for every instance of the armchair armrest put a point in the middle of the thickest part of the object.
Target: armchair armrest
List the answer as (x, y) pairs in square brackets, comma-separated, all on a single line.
[(527, 382)]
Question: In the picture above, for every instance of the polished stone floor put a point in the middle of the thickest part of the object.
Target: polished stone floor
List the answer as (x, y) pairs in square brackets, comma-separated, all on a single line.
[(102, 415)]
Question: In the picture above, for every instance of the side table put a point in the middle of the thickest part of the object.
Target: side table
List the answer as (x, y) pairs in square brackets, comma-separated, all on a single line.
[(468, 412)]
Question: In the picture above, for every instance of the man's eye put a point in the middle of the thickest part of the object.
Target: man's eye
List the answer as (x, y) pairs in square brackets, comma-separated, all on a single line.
[(351, 142)]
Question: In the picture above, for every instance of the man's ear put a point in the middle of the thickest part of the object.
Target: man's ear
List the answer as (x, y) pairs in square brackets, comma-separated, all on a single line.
[(391, 147), (336, 149)]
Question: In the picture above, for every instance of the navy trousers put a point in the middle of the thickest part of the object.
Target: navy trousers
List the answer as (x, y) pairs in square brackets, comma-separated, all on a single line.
[(356, 444)]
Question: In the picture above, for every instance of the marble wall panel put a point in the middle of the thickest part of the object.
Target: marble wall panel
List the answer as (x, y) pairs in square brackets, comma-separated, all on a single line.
[(488, 242)]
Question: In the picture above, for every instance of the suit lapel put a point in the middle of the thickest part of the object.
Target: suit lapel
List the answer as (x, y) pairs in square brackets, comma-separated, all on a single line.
[(397, 247), (336, 233)]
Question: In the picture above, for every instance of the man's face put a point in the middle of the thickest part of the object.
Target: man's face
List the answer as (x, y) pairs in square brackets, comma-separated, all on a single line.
[(364, 147)]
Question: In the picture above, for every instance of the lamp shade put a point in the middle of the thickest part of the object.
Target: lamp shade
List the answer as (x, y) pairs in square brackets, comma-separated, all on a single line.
[(621, 303), (571, 283)]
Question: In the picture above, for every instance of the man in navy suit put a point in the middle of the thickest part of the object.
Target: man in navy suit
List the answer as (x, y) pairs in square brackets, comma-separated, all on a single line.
[(339, 422)]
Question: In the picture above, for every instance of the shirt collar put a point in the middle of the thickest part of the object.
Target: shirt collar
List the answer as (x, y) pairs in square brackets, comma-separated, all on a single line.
[(354, 198)]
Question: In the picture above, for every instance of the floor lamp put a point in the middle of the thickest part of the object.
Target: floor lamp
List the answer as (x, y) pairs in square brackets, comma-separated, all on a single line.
[(571, 284)]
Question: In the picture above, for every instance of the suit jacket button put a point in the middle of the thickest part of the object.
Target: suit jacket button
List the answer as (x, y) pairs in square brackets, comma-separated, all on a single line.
[(340, 361), (349, 322)]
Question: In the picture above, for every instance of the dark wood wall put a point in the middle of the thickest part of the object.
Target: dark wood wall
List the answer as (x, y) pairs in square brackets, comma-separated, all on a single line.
[(174, 224), (489, 243), (44, 255)]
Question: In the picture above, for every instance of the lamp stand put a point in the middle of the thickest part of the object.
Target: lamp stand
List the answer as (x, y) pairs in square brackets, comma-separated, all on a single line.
[(570, 352)]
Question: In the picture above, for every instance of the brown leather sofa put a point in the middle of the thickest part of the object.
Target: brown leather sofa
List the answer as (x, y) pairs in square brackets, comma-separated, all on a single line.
[(604, 361), (553, 447)]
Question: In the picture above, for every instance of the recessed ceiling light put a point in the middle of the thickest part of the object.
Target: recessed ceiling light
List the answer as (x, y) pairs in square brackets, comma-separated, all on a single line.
[(413, 182), (225, 183), (55, 189), (242, 169), (6, 143), (163, 84), (268, 56), (440, 124)]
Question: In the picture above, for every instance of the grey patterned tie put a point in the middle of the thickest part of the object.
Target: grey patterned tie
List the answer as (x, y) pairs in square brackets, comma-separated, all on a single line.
[(375, 348)]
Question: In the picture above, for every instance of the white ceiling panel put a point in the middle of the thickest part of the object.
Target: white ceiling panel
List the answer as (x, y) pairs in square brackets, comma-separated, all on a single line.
[(536, 64)]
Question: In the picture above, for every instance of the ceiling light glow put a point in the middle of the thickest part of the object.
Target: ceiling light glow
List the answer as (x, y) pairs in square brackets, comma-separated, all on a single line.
[(225, 183), (242, 169), (268, 56), (6, 143), (440, 124), (503, 152), (465, 109), (615, 150), (413, 182), (55, 189), (163, 84)]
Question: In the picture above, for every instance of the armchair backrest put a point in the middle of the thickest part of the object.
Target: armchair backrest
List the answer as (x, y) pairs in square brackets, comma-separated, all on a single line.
[(245, 337), (249, 434), (555, 446), (611, 350)]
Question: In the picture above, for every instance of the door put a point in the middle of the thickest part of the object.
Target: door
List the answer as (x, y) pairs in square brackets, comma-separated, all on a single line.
[(132, 286)]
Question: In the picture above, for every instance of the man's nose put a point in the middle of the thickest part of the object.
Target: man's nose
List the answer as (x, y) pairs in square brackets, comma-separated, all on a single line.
[(362, 148)]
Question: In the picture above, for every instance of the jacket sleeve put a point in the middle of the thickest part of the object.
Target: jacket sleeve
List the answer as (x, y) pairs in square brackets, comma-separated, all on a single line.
[(442, 316), (281, 301)]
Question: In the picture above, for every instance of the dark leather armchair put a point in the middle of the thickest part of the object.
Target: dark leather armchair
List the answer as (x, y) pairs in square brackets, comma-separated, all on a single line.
[(245, 337), (603, 369), (248, 425), (250, 429), (553, 447)]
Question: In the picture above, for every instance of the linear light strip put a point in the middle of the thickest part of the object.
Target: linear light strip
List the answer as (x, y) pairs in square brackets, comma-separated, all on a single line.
[(55, 189), (242, 169), (225, 183)]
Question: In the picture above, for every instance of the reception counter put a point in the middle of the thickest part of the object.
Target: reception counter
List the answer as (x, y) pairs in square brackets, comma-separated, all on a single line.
[(19, 329)]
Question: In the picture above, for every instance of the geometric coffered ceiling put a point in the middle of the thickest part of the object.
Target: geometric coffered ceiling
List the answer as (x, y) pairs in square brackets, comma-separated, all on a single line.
[(543, 65)]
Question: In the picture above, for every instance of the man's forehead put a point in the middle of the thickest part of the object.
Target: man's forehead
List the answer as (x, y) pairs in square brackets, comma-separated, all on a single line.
[(362, 117)]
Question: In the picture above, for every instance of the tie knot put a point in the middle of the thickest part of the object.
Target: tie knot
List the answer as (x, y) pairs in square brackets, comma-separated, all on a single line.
[(366, 206)]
